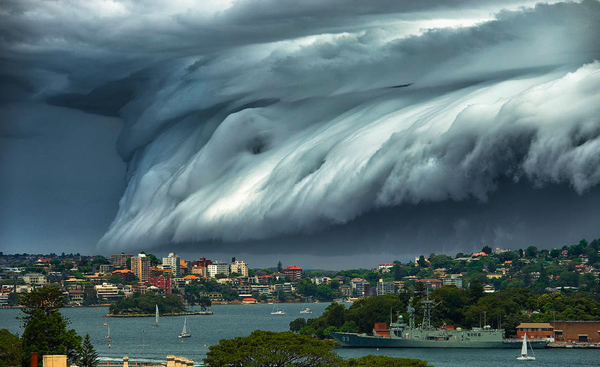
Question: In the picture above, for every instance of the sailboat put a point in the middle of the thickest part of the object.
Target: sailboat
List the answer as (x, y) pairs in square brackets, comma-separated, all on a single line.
[(156, 320), (524, 356), (184, 333), (108, 333), (276, 309)]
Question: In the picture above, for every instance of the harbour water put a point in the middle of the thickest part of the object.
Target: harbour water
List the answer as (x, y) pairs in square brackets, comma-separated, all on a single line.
[(137, 338)]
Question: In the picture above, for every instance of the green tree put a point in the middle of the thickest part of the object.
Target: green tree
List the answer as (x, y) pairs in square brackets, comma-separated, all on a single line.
[(10, 349), (88, 356), (382, 361), (267, 348), (40, 307), (486, 249), (279, 267), (297, 324)]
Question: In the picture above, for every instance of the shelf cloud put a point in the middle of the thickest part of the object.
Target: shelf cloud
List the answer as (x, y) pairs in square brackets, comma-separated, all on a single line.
[(378, 126)]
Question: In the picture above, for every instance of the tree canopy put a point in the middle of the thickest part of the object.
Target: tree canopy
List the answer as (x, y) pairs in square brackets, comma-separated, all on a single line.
[(267, 348), (140, 304), (41, 313)]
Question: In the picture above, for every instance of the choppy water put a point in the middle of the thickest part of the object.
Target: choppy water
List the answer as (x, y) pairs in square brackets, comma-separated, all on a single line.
[(137, 338)]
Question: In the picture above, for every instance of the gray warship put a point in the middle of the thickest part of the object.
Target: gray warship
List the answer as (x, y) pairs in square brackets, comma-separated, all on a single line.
[(402, 335)]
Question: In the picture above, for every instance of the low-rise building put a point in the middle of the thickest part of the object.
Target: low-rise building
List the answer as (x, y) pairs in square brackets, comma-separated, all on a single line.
[(34, 278), (105, 269), (431, 283), (453, 279), (535, 330), (239, 267), (576, 331), (107, 291)]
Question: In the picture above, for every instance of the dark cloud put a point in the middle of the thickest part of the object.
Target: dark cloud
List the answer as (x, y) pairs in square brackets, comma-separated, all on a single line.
[(266, 124)]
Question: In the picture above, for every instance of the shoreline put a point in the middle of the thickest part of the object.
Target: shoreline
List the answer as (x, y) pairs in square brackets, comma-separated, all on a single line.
[(193, 313)]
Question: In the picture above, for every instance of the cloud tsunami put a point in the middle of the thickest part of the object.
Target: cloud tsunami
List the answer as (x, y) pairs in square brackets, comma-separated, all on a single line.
[(379, 125)]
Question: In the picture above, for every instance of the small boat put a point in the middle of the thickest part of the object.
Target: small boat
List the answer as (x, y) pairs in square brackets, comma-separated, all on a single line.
[(184, 333), (276, 309), (524, 356), (306, 310), (156, 320)]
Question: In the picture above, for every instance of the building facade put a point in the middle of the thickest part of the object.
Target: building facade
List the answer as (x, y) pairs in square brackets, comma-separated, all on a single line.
[(453, 279), (217, 268), (140, 265), (120, 260), (535, 330), (161, 282), (293, 272), (172, 262), (239, 267), (576, 331), (385, 287)]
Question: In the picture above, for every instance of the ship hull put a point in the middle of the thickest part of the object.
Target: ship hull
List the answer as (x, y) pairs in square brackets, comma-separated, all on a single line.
[(350, 340)]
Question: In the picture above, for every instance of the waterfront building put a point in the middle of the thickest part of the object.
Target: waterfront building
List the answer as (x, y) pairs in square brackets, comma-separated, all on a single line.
[(107, 291), (140, 265), (172, 262), (239, 267), (180, 284), (120, 260), (293, 272), (535, 330), (217, 268), (346, 290), (576, 331), (360, 287)]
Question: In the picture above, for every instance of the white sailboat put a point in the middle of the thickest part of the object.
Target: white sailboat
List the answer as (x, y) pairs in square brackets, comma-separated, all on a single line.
[(524, 356), (306, 310), (184, 333), (276, 309), (156, 320), (108, 334)]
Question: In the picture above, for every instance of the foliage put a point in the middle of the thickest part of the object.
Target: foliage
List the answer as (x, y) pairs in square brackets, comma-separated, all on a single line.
[(382, 361), (146, 304), (266, 348), (297, 324), (10, 349), (41, 313), (88, 356)]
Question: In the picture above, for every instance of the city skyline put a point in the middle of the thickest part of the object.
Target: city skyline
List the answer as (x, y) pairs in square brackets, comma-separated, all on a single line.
[(325, 133)]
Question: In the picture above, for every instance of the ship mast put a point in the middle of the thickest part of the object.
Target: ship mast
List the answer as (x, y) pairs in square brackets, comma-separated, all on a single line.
[(428, 305)]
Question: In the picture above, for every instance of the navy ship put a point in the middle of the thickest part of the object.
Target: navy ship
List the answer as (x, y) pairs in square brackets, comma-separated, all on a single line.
[(402, 335)]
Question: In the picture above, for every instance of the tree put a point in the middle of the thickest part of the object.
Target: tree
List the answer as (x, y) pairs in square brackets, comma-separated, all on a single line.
[(382, 361), (487, 250), (267, 348), (88, 356), (40, 307), (297, 324), (10, 349), (279, 267)]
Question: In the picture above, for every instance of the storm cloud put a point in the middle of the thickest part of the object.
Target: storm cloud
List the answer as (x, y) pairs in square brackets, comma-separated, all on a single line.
[(381, 126)]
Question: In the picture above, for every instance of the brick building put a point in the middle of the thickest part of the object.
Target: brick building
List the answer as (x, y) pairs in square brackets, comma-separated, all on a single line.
[(578, 331), (125, 274), (535, 330), (161, 282), (293, 272)]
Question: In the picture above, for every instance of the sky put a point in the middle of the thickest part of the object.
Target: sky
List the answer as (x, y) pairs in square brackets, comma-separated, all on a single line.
[(327, 134)]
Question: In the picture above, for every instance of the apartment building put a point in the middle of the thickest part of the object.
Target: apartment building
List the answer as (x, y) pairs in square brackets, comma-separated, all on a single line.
[(172, 262), (239, 267), (140, 265)]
